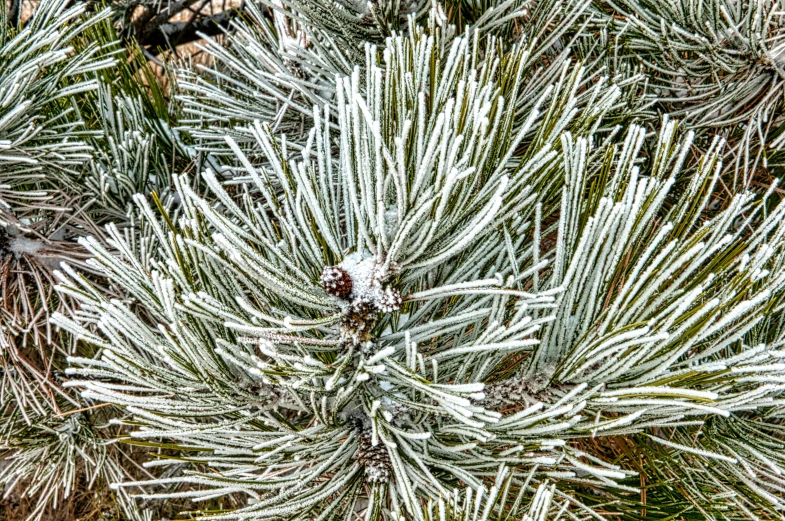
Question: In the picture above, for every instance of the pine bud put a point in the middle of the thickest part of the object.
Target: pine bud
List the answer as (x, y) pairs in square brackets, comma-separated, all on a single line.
[(390, 300), (337, 282)]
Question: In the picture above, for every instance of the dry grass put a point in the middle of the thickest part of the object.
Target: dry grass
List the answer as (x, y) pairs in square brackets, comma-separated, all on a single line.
[(82, 506)]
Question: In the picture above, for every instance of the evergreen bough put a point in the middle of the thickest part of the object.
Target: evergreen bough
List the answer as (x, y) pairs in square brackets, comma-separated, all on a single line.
[(406, 260)]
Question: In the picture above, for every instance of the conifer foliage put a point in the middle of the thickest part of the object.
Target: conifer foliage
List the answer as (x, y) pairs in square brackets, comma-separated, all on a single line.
[(487, 260)]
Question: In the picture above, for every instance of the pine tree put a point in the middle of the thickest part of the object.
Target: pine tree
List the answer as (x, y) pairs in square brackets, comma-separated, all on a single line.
[(469, 259)]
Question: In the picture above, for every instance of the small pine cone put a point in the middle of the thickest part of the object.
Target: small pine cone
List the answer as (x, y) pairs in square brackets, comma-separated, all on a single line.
[(295, 68), (390, 300), (364, 307), (357, 322), (375, 459), (337, 282)]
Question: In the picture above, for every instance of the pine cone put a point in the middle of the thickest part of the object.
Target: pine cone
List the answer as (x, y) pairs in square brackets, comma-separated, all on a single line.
[(375, 459), (390, 300), (337, 282), (357, 322)]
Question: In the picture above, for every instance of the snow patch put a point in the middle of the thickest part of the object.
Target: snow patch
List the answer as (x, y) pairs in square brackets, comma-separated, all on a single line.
[(23, 245), (361, 267)]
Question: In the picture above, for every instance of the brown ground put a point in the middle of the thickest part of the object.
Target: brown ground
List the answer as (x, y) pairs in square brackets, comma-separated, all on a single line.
[(80, 507)]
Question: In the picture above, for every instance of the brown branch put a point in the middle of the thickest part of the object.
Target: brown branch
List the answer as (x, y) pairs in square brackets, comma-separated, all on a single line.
[(170, 35), (150, 21), (14, 13)]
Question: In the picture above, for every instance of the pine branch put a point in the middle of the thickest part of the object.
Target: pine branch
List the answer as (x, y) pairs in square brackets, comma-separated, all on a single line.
[(398, 258), (159, 35)]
